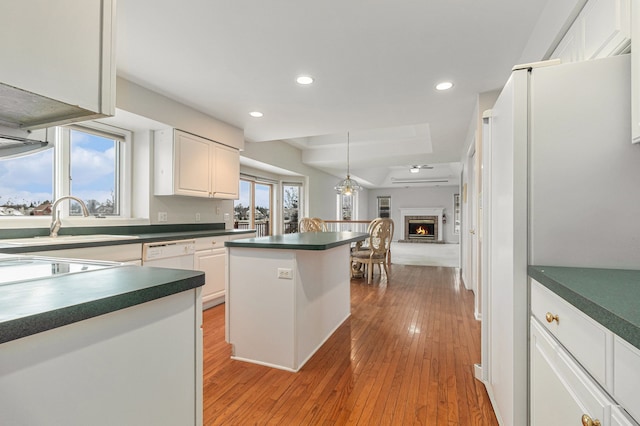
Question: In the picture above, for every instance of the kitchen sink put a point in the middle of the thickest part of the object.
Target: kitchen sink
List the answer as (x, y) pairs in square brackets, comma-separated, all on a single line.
[(66, 239)]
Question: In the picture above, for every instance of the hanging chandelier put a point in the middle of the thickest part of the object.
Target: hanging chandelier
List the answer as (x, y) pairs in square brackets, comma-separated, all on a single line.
[(347, 186)]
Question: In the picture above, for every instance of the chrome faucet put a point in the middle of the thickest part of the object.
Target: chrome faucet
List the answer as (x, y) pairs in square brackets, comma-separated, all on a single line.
[(55, 219)]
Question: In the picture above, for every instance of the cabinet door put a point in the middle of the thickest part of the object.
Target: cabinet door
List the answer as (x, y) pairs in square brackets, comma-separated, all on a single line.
[(226, 172), (626, 375), (561, 393), (61, 50), (620, 418), (192, 165), (606, 28), (569, 48), (212, 263)]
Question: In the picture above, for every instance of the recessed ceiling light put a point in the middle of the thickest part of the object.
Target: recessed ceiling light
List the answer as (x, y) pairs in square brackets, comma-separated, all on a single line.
[(256, 114), (304, 79), (414, 169), (445, 85)]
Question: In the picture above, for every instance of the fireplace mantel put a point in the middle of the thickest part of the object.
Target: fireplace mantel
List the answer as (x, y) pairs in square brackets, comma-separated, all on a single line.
[(422, 211)]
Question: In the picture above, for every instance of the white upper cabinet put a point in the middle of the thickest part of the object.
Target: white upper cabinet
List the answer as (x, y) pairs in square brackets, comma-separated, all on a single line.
[(58, 61), (635, 72), (603, 28), (190, 165)]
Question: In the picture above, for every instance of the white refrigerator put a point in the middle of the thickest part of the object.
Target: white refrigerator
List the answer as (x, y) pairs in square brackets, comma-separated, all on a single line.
[(560, 187)]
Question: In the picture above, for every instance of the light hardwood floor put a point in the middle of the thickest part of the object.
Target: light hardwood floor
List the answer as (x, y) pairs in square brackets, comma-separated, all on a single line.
[(405, 356)]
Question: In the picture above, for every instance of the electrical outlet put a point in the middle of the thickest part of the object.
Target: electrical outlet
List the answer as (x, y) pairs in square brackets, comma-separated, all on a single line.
[(218, 211), (197, 217), (285, 273), (162, 216)]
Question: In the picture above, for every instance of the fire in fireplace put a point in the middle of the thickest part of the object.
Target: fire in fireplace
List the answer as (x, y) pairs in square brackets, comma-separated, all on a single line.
[(422, 228)]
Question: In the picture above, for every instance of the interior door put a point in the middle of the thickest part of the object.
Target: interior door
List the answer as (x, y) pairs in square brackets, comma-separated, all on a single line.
[(474, 231)]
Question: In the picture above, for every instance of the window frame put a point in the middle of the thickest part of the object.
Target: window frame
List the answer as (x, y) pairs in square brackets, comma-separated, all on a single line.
[(354, 205), (62, 164), (301, 187), (61, 170), (253, 181)]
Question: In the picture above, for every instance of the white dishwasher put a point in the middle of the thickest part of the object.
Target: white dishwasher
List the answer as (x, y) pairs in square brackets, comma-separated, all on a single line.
[(169, 254)]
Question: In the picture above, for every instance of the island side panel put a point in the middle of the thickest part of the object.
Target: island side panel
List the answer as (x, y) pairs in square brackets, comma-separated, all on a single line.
[(261, 306), (323, 297), (133, 366)]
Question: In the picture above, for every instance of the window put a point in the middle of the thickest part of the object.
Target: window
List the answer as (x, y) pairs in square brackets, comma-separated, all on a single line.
[(93, 172), (88, 161), (347, 207), (26, 184), (252, 210), (291, 204)]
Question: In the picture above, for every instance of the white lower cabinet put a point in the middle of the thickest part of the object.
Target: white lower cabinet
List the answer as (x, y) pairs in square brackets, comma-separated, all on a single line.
[(578, 368), (561, 392), (621, 418), (141, 365), (626, 376), (211, 260)]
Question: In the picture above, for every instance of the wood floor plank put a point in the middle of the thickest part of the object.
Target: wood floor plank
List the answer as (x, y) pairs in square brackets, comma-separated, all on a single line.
[(405, 356)]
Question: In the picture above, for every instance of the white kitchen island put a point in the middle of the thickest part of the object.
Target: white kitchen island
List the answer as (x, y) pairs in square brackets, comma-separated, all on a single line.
[(114, 346), (286, 295)]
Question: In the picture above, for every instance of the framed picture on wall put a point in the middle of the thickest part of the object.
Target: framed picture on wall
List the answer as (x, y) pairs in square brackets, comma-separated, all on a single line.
[(384, 206)]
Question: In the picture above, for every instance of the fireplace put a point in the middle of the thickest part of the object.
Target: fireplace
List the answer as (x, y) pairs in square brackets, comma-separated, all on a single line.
[(421, 229), (431, 219)]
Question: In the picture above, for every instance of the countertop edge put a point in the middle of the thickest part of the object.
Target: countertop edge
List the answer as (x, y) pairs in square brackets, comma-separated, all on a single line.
[(283, 245), (603, 316), (143, 238), (25, 326)]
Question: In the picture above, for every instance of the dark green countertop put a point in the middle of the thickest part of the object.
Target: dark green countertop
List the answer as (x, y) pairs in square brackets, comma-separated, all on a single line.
[(31, 307), (300, 241), (140, 238), (609, 296)]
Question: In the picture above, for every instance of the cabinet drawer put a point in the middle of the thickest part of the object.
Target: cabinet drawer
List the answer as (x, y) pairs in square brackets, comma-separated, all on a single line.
[(626, 375), (561, 392), (620, 418), (207, 243), (584, 338)]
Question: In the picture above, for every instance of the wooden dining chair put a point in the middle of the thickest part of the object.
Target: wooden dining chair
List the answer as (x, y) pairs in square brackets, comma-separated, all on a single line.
[(377, 248), (308, 224), (320, 224)]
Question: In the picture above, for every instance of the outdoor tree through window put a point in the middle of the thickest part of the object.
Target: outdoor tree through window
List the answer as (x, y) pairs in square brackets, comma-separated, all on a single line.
[(291, 206), (246, 216)]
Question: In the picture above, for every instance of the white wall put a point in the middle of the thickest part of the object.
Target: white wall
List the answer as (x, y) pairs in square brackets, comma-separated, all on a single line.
[(139, 101), (146, 103), (439, 196)]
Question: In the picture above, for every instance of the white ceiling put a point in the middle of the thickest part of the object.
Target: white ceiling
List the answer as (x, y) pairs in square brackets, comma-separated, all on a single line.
[(375, 65)]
